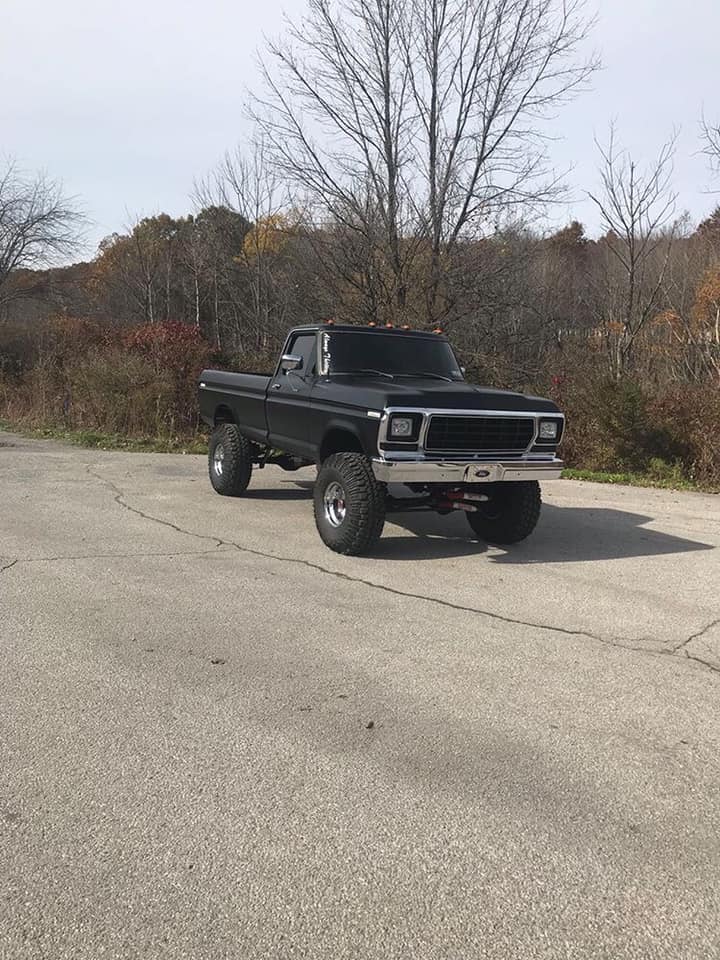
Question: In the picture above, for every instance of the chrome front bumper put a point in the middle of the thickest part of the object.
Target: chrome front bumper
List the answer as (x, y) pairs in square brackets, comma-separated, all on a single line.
[(456, 471)]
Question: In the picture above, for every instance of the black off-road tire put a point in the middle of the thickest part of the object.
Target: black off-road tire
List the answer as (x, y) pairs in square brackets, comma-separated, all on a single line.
[(353, 528), (510, 515), (229, 461)]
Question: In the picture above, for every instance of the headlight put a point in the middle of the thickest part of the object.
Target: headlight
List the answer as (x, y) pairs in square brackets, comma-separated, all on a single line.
[(401, 427), (548, 430)]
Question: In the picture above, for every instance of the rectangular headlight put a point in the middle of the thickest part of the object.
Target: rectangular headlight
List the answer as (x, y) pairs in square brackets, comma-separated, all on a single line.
[(548, 430), (401, 428)]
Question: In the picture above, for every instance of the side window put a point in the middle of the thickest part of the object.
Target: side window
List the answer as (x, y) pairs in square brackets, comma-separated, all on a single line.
[(304, 346)]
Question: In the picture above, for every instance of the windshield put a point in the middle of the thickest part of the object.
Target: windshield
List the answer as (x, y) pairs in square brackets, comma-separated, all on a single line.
[(375, 354)]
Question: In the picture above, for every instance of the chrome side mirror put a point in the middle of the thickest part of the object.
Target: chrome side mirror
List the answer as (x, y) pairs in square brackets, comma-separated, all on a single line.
[(289, 362)]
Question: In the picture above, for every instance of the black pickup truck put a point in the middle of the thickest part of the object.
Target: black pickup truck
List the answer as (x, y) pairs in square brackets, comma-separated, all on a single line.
[(393, 425)]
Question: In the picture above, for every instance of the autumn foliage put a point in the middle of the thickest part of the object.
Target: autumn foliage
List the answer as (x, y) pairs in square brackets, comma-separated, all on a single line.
[(132, 329), (138, 381)]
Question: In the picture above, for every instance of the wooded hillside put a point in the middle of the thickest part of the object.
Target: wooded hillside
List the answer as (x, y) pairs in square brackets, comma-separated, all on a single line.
[(398, 173)]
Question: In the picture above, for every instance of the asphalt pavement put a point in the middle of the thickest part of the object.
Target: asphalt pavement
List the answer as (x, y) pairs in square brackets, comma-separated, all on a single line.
[(220, 740)]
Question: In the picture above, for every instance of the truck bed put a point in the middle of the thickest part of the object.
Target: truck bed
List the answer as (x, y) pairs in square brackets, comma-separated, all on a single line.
[(243, 394)]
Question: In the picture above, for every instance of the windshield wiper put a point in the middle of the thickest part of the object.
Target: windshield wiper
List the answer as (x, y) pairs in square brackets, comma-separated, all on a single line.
[(355, 373), (427, 373)]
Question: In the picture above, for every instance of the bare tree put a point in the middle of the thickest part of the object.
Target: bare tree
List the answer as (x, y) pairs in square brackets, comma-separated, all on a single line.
[(195, 257), (140, 263), (711, 144), (414, 122), (247, 185), (636, 208), (38, 223), (484, 77), (147, 254)]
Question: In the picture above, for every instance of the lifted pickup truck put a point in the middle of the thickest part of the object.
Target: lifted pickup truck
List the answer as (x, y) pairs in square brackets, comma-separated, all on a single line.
[(373, 407)]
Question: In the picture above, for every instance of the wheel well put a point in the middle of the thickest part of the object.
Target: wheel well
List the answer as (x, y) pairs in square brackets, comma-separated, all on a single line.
[(338, 440), (223, 414)]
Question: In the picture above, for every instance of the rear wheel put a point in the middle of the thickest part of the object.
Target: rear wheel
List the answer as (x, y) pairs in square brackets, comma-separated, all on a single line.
[(349, 504), (510, 515), (229, 461)]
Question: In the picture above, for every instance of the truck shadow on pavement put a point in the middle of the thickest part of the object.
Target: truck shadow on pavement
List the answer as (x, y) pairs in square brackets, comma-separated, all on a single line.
[(563, 535), (294, 492)]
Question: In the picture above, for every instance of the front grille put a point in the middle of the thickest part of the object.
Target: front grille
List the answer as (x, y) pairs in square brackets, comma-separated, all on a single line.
[(480, 434)]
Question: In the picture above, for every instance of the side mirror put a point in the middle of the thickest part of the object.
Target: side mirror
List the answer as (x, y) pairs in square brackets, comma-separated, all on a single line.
[(289, 362), (463, 371)]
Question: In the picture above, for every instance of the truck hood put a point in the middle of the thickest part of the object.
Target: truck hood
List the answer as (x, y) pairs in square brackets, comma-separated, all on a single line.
[(377, 393)]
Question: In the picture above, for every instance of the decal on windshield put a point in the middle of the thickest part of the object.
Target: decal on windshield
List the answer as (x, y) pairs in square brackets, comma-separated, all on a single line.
[(325, 354)]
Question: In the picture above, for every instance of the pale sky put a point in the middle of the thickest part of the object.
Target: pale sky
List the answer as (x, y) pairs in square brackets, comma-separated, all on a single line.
[(128, 101)]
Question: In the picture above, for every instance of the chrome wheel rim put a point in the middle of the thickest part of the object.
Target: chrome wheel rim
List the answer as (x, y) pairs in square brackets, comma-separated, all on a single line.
[(218, 459), (335, 504)]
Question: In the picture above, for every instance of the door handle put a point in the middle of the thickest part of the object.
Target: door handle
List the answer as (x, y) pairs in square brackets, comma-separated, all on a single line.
[(276, 386)]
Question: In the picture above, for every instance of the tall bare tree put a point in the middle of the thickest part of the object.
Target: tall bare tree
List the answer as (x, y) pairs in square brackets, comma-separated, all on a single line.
[(38, 223), (636, 207), (484, 77), (415, 122)]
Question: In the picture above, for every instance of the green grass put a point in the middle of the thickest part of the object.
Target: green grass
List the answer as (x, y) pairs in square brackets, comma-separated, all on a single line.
[(633, 480), (94, 439)]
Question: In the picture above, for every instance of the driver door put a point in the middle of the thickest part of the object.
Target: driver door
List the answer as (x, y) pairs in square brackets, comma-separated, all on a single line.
[(288, 398)]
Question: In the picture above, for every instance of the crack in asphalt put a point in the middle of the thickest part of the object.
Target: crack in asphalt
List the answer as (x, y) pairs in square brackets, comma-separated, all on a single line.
[(632, 644), (705, 663), (682, 648), (121, 501), (696, 636), (8, 565), (623, 643), (108, 556)]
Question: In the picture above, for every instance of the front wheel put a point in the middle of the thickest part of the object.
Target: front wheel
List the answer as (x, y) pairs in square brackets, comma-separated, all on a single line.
[(510, 515), (229, 461), (349, 504)]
